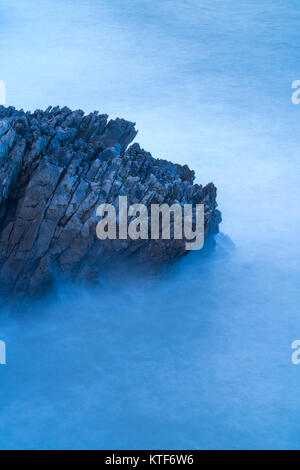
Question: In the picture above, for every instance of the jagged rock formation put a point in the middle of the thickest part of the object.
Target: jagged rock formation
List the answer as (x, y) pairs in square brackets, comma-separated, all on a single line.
[(57, 166)]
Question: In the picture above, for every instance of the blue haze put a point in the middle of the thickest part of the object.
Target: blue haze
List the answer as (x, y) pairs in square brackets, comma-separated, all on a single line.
[(203, 359)]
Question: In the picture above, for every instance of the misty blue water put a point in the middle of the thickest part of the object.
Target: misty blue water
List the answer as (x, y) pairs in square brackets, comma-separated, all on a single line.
[(201, 359)]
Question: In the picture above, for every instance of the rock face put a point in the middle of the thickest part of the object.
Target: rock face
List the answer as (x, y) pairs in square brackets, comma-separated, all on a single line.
[(57, 167)]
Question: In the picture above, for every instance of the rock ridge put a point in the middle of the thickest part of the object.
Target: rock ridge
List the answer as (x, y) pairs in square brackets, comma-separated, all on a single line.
[(56, 167)]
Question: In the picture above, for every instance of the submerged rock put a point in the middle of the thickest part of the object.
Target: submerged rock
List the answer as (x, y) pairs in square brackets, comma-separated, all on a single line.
[(57, 167)]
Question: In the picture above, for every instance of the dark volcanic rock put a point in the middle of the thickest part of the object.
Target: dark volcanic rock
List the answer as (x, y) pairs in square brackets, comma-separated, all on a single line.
[(57, 166)]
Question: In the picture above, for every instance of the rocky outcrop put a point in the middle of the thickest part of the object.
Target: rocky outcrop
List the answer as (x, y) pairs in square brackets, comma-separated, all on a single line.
[(57, 166)]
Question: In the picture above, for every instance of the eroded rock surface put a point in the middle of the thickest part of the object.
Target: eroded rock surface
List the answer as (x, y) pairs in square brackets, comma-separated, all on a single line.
[(57, 166)]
